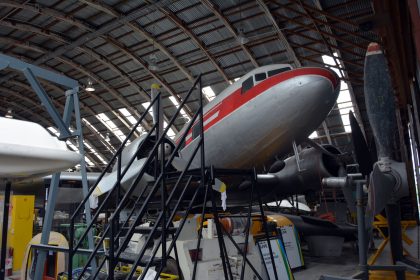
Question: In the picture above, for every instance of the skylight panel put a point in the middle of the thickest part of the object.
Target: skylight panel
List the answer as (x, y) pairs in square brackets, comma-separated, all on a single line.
[(130, 118), (182, 111), (234, 80), (209, 93), (87, 145), (344, 102), (171, 132), (313, 135), (103, 118), (104, 139), (72, 147), (146, 105), (53, 130), (89, 162)]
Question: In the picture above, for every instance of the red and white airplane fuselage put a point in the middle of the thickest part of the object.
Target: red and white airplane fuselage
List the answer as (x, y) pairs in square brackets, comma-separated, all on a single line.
[(260, 115), (255, 118)]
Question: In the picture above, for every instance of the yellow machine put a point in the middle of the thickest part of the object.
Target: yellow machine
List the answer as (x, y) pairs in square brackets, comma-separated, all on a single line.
[(21, 226), (56, 262)]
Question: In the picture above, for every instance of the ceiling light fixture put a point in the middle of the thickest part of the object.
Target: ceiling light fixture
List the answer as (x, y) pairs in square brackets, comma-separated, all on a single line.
[(107, 139), (9, 114), (153, 62), (153, 59), (242, 39), (89, 86)]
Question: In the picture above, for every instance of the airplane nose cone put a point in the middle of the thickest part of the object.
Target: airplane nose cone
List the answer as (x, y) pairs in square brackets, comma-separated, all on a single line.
[(323, 84), (314, 91), (335, 82)]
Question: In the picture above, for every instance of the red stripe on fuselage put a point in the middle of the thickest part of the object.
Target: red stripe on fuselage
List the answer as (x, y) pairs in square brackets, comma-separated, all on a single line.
[(236, 99)]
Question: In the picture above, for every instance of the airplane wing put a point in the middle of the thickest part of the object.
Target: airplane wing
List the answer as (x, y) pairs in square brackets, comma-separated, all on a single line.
[(76, 176), (108, 181)]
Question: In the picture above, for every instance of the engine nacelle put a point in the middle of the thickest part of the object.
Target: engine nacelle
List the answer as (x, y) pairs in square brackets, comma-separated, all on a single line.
[(303, 174)]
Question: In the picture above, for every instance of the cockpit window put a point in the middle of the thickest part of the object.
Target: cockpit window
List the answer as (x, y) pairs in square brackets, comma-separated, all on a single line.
[(260, 77), (277, 71), (247, 84)]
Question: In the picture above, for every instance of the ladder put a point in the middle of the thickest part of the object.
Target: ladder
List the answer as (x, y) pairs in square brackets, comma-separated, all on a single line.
[(171, 192)]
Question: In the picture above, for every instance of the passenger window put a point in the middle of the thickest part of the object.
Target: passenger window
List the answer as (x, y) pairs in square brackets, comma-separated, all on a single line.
[(196, 130), (247, 84), (260, 77), (277, 71)]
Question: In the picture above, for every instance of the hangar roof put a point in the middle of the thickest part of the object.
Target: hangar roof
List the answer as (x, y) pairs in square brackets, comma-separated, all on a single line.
[(113, 43)]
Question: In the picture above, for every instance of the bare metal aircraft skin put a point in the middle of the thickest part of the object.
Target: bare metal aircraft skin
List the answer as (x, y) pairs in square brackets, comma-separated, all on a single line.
[(255, 118), (245, 127)]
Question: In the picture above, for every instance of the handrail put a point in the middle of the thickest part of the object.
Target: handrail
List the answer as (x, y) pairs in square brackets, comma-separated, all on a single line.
[(159, 141), (109, 194), (113, 157), (130, 231)]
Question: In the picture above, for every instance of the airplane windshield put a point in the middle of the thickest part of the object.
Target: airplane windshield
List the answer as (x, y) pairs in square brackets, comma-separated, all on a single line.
[(247, 84), (260, 76), (277, 71)]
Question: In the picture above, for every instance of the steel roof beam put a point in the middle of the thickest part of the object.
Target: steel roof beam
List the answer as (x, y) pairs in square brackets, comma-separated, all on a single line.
[(178, 22), (291, 53), (318, 52), (86, 72), (36, 30), (327, 27), (324, 16), (38, 8), (100, 58), (55, 101), (315, 40), (308, 27), (140, 30), (136, 13), (215, 9), (94, 96)]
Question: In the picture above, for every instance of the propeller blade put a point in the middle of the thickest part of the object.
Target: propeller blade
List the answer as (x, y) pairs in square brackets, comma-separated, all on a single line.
[(380, 100), (361, 149)]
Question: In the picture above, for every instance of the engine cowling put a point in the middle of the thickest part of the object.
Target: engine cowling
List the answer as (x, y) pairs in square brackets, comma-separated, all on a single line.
[(304, 176)]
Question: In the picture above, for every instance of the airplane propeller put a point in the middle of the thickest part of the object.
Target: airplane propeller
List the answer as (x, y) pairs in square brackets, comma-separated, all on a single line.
[(387, 177), (360, 146)]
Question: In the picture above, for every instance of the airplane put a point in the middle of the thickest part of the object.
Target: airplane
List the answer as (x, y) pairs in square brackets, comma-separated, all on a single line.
[(28, 150), (258, 116)]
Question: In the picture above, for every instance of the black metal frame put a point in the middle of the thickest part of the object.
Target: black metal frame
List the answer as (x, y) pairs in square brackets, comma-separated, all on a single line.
[(5, 228), (115, 228)]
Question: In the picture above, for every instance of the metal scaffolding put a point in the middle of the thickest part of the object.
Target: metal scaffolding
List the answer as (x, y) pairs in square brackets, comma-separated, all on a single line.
[(63, 123)]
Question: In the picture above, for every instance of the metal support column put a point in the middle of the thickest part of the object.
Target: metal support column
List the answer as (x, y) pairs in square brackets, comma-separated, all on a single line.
[(361, 231), (46, 225), (73, 95), (395, 236), (5, 228), (72, 108)]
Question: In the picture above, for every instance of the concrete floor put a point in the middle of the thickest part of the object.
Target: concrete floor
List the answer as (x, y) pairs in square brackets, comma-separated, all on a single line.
[(347, 264), (344, 265)]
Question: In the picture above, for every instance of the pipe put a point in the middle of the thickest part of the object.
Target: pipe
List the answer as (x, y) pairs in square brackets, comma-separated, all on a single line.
[(361, 231)]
